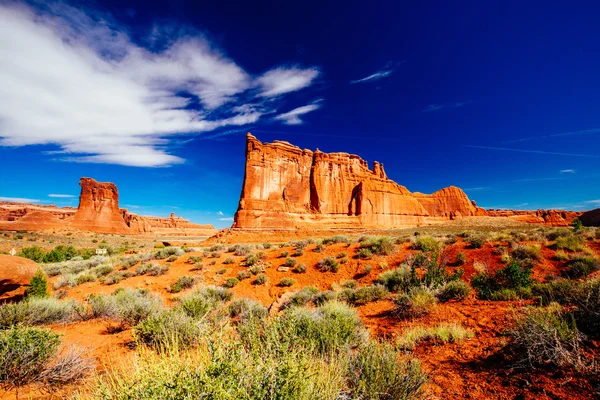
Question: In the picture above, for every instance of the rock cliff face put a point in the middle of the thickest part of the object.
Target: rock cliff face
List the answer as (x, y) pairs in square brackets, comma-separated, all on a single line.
[(287, 187), (98, 209), (544, 217)]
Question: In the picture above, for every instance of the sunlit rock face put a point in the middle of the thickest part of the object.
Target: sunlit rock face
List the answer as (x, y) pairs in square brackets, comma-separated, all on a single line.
[(287, 187)]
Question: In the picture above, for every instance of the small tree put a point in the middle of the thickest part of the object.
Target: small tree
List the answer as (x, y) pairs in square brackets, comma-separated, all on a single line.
[(577, 225), (38, 286)]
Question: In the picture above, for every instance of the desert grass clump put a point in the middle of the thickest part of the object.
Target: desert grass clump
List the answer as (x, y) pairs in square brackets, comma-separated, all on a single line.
[(169, 328), (416, 303), (328, 264), (335, 239), (475, 242), (167, 252), (547, 335), (231, 282), (442, 333), (242, 250), (41, 311), (580, 267), (400, 279), (126, 306), (376, 373), (454, 290), (299, 268), (461, 259), (568, 243), (203, 300), (426, 244), (383, 246), (286, 282), (241, 275), (527, 253), (182, 283), (228, 261), (260, 279), (244, 309), (363, 295), (156, 269), (290, 262)]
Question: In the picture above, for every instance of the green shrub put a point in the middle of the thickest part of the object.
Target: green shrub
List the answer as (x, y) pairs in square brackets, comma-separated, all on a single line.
[(399, 280), (221, 271), (241, 275), (251, 259), (242, 250), (244, 309), (290, 262), (230, 282), (364, 254), (461, 259), (194, 259), (363, 295), (524, 253), (383, 246), (35, 253), (512, 276), (169, 328), (332, 327), (546, 335), (580, 267), (203, 300), (267, 245), (60, 253), (416, 303), (126, 306), (328, 264), (376, 373), (157, 270), (260, 279), (457, 290), (504, 294), (426, 244), (182, 283), (38, 286), (568, 243), (445, 333), (299, 268), (24, 354), (350, 284), (286, 282), (167, 252), (336, 239), (476, 242), (40, 311), (304, 296), (586, 298)]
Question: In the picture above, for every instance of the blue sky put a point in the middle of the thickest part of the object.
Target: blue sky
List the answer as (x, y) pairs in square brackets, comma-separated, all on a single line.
[(500, 99)]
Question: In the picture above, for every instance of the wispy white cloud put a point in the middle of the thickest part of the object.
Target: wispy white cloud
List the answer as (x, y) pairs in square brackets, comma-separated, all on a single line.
[(433, 107), (478, 189), (555, 135), (19, 200), (220, 213), (61, 196), (279, 81), (533, 151), (293, 117), (383, 73), (537, 179), (76, 80), (226, 219), (567, 171), (436, 107)]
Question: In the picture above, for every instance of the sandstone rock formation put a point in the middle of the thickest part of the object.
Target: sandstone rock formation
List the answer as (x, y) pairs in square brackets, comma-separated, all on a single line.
[(98, 209), (15, 274), (287, 187), (591, 218), (544, 217)]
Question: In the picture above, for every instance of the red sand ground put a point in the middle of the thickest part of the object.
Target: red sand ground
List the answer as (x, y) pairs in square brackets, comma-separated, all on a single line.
[(477, 368)]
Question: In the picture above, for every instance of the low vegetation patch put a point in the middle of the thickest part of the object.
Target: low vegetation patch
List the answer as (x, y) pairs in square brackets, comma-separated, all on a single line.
[(443, 333)]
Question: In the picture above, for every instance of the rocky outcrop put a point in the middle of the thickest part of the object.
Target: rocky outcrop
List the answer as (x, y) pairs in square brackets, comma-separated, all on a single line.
[(543, 217), (287, 187), (98, 209), (591, 218)]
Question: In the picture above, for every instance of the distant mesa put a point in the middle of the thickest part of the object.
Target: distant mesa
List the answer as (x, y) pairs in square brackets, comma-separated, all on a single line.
[(98, 211), (288, 187)]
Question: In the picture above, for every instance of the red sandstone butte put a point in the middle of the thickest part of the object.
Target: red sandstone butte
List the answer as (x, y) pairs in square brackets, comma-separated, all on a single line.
[(287, 187), (98, 209)]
